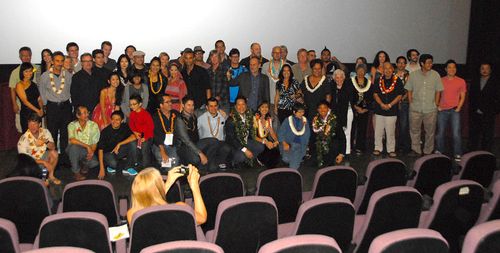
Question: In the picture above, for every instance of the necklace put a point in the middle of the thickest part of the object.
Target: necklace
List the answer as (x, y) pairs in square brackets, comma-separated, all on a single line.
[(210, 127), (312, 90), (193, 125), (382, 86), (292, 126), (263, 130), (361, 89), (273, 73), (53, 84), (172, 117), (151, 84)]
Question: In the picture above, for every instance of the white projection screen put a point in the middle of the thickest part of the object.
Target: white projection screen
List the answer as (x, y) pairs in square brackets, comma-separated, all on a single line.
[(349, 28)]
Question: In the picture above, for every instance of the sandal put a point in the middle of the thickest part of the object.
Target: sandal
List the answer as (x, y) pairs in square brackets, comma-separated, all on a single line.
[(54, 180), (392, 154), (376, 152)]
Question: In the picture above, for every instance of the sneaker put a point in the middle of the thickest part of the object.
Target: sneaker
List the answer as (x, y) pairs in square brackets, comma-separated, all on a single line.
[(130, 171), (110, 170), (458, 158)]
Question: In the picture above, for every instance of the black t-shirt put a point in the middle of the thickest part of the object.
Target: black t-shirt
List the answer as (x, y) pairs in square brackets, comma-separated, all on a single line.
[(388, 97), (110, 137), (312, 96), (197, 83)]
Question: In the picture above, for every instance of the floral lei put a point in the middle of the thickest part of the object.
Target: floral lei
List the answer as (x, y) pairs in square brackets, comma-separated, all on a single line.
[(325, 130), (262, 131), (243, 130), (53, 84), (382, 86)]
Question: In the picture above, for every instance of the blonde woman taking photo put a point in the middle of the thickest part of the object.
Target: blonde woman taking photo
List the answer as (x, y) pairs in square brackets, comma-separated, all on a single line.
[(148, 189)]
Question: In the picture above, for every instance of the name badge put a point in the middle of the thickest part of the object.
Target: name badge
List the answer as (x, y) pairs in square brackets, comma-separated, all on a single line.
[(169, 139)]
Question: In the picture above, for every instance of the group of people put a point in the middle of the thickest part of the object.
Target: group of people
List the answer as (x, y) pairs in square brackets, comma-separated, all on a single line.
[(123, 115)]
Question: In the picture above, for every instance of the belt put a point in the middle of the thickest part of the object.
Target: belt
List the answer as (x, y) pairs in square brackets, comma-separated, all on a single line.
[(58, 103)]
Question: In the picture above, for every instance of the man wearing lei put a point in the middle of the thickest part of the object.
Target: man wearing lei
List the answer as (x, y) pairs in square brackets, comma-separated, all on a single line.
[(211, 131), (164, 120), (387, 95), (272, 70), (55, 86), (240, 133), (38, 143), (294, 137), (329, 144)]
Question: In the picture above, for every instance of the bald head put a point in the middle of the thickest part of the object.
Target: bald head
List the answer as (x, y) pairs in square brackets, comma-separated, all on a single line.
[(388, 69)]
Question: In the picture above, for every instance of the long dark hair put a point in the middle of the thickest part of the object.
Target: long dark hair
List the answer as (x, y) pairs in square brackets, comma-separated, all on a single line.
[(25, 66), (119, 69), (42, 64), (376, 62), (268, 114), (280, 75), (119, 89)]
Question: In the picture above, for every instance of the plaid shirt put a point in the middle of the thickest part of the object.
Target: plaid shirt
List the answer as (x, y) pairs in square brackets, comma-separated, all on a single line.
[(219, 84)]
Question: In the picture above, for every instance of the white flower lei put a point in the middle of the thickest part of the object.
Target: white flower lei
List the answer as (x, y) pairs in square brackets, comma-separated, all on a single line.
[(292, 126)]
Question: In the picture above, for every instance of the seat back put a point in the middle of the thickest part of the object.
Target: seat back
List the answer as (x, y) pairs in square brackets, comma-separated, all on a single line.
[(432, 171), (340, 181), (214, 189), (87, 230), (390, 209), (410, 240), (381, 174), (184, 247), (330, 216), (244, 224), (61, 249), (491, 210), (159, 224), (456, 207), (478, 166), (91, 196), (284, 186), (9, 241), (483, 238), (302, 243), (24, 201)]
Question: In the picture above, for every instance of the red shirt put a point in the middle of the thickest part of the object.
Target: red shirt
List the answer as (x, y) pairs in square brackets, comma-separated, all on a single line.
[(141, 122), (451, 93)]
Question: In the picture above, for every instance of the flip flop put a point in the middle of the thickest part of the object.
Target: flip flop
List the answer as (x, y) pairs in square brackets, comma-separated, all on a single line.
[(54, 181)]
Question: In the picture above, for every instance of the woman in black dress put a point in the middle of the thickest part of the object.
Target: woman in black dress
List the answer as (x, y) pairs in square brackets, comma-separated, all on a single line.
[(265, 134), (28, 94), (156, 83)]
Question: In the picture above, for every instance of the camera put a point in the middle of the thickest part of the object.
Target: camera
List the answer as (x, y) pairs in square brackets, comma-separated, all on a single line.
[(184, 170)]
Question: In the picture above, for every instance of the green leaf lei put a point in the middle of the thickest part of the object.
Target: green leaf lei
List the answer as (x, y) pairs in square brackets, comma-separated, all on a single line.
[(243, 129), (324, 130)]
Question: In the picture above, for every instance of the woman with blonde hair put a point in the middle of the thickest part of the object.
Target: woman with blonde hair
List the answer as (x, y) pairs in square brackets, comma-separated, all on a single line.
[(148, 189)]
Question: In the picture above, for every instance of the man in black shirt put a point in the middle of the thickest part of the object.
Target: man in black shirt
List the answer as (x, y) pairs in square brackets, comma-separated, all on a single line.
[(109, 63), (255, 51), (138, 65), (196, 78), (84, 90), (114, 145), (164, 120), (101, 74), (186, 137)]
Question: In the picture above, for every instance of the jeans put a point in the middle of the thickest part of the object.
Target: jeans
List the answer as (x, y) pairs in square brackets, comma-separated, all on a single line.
[(121, 160), (452, 117), (171, 153), (78, 155), (293, 156), (145, 151), (404, 140)]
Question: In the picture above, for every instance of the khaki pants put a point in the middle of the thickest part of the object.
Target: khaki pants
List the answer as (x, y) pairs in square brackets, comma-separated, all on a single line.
[(429, 121), (385, 124)]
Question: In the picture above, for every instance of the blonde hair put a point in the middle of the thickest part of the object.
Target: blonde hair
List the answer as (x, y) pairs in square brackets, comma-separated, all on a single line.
[(148, 189)]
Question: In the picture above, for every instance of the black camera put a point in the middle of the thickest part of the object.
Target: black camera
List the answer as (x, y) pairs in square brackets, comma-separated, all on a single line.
[(184, 170)]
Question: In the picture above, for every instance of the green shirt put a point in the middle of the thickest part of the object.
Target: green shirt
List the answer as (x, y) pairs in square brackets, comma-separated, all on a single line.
[(424, 88), (88, 135)]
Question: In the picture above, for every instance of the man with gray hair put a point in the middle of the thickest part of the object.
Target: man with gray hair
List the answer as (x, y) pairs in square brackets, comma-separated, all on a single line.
[(284, 54), (272, 70)]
